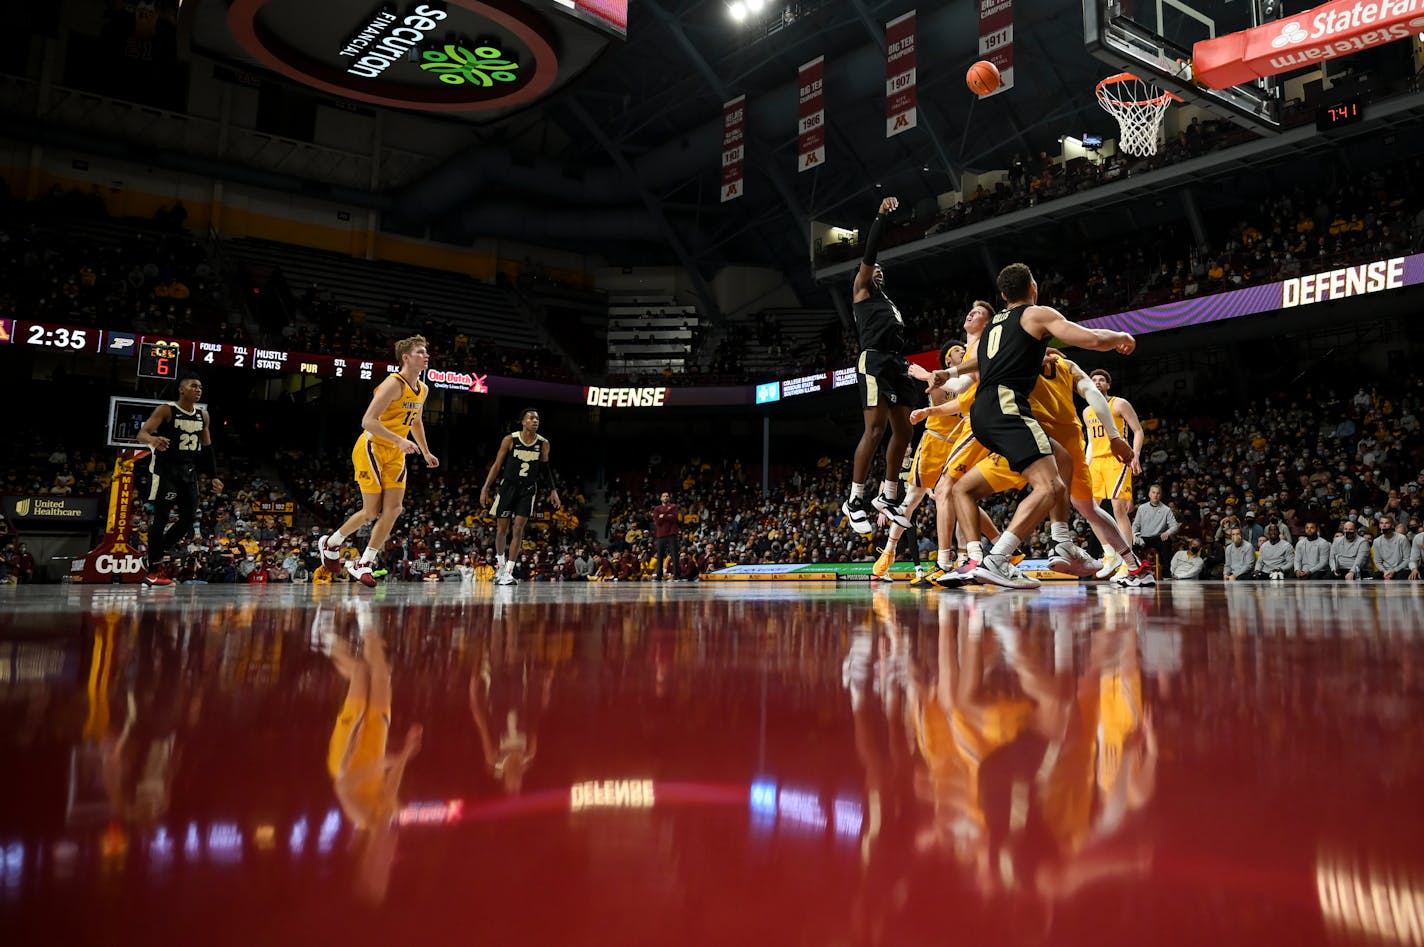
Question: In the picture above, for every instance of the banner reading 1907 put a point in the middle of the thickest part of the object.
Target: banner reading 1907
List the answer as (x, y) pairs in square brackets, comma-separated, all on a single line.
[(734, 147), (811, 127), (901, 113)]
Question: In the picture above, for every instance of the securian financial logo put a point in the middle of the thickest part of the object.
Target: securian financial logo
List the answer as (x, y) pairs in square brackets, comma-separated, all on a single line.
[(457, 65)]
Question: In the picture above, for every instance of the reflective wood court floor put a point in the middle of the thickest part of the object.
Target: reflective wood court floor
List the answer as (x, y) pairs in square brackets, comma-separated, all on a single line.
[(696, 764)]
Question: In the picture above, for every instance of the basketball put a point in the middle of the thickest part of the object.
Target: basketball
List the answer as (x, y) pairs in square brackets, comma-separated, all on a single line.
[(982, 78)]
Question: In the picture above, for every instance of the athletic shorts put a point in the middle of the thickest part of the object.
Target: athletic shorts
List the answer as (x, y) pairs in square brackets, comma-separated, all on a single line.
[(1001, 477), (1111, 478), (931, 457), (379, 466), (1004, 423), (965, 452), (516, 499), (883, 379)]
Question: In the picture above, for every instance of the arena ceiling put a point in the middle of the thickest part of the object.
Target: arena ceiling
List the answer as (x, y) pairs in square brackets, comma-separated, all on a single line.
[(622, 155)]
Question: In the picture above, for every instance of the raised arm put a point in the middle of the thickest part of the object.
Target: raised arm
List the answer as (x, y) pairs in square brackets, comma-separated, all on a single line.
[(866, 274)]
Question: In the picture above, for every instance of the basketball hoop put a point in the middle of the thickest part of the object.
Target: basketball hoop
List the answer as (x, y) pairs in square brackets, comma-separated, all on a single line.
[(1138, 107)]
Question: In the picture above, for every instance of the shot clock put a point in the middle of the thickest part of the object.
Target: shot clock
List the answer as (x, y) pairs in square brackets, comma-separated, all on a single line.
[(159, 360)]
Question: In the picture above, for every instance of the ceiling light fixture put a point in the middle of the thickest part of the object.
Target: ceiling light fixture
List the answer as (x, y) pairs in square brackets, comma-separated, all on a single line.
[(756, 5), (738, 10)]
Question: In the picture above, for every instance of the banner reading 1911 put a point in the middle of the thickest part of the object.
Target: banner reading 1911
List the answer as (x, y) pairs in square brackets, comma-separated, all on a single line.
[(734, 147)]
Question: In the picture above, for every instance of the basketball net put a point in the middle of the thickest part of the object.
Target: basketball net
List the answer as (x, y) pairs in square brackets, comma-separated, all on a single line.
[(1138, 107)]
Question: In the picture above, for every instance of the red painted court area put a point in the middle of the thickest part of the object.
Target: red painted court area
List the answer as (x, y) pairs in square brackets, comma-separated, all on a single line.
[(1202, 763)]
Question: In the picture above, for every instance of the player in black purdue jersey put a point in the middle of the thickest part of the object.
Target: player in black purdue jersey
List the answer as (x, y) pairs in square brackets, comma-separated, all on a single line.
[(178, 434), (1010, 357), (523, 457), (887, 393)]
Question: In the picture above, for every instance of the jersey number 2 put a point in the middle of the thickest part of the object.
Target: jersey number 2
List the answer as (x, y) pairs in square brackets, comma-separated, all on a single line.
[(992, 343), (524, 469)]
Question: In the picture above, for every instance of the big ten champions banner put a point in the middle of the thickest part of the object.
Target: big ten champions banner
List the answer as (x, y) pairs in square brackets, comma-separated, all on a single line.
[(901, 113), (115, 559), (811, 126), (996, 39), (734, 147)]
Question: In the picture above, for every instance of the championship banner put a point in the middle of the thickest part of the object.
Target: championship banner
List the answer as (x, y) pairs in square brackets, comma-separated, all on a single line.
[(811, 128), (901, 112), (115, 559), (996, 39), (734, 149)]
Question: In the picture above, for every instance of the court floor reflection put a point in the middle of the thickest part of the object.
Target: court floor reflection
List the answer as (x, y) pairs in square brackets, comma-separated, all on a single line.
[(756, 764)]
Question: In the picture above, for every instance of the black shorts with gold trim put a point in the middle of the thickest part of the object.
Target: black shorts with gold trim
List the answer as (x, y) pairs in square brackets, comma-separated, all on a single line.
[(883, 378), (1004, 423)]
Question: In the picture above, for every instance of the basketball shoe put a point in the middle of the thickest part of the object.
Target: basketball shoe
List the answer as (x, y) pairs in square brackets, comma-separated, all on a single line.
[(881, 570), (1070, 559), (998, 570), (854, 510), (893, 511)]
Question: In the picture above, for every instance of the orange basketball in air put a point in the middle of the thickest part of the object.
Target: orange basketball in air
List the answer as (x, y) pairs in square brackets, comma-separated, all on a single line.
[(983, 77)]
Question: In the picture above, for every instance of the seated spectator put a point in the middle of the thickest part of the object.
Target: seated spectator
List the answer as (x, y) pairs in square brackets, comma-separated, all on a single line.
[(1188, 564)]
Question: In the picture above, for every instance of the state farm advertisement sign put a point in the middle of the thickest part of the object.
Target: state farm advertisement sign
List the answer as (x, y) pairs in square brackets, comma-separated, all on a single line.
[(1326, 32)]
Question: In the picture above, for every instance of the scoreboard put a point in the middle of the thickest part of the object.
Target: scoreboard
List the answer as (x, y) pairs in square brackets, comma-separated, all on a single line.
[(166, 358), (224, 355)]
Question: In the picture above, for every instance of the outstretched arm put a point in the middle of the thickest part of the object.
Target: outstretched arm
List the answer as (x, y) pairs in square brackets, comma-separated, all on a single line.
[(1044, 322)]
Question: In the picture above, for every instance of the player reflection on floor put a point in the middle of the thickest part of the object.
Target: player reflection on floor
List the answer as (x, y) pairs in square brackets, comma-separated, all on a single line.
[(1033, 760), (509, 688), (366, 779)]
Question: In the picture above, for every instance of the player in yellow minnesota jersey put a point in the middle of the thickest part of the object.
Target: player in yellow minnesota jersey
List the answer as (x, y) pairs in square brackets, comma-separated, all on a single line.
[(392, 428), (1111, 477), (1051, 401), (364, 776), (951, 455)]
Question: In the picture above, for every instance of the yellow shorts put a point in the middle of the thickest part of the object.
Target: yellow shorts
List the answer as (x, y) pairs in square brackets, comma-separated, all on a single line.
[(996, 470), (358, 739), (964, 453), (379, 466), (996, 725), (930, 458), (1112, 479)]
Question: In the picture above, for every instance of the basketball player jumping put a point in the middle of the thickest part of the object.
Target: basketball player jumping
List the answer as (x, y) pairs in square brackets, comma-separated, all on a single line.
[(180, 437), (1112, 478), (523, 456), (1010, 357), (887, 393), (392, 429)]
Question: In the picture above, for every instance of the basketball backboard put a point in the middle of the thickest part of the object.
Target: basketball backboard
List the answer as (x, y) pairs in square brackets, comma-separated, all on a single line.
[(1153, 39)]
